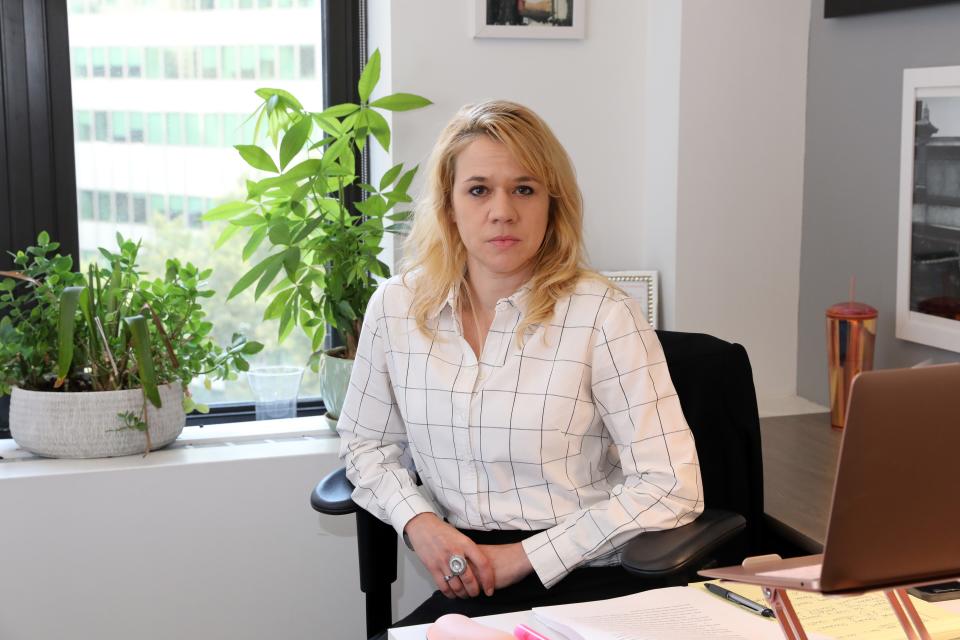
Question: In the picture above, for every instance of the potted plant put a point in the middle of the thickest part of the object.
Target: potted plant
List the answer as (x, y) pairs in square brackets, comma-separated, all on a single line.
[(323, 257), (98, 363)]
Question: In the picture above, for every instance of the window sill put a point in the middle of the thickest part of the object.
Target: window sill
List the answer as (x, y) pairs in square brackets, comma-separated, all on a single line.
[(196, 445)]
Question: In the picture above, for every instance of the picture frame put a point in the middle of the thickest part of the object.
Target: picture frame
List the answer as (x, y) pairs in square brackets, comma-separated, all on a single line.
[(843, 8), (640, 285), (551, 19), (928, 239)]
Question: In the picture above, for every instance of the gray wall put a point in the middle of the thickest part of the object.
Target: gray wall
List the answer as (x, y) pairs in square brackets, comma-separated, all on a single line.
[(852, 169)]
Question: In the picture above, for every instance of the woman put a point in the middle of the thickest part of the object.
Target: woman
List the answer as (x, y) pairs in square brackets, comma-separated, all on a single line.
[(530, 396)]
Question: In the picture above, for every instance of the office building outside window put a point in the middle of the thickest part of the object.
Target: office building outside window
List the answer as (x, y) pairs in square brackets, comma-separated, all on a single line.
[(162, 90)]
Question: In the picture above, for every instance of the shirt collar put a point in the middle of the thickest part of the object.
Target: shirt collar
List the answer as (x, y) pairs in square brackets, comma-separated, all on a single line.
[(518, 299)]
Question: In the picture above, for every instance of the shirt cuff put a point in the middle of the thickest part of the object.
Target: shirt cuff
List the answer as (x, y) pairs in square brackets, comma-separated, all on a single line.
[(404, 505), (547, 557)]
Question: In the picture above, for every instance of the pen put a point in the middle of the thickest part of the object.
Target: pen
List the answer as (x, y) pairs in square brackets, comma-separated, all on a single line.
[(523, 632), (736, 598)]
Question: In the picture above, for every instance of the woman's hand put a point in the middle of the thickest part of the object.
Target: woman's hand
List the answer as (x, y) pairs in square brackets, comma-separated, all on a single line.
[(510, 563), (434, 541)]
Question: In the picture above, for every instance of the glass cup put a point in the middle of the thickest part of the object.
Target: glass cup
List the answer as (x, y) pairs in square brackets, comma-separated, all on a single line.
[(275, 391)]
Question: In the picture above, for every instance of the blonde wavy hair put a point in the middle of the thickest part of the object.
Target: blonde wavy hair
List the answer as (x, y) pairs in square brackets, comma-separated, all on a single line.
[(434, 248)]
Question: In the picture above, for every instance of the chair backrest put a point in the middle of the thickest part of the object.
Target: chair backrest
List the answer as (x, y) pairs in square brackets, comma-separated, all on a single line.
[(714, 381)]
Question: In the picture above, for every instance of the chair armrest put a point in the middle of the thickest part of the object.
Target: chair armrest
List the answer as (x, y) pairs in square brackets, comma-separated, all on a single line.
[(673, 551), (332, 494)]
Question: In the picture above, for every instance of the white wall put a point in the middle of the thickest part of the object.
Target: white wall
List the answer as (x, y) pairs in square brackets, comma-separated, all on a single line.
[(742, 107), (589, 91), (685, 120), (218, 541)]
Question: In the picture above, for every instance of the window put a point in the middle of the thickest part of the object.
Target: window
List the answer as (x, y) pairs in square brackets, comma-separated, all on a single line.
[(116, 62), (286, 62), (307, 62), (174, 135), (191, 124), (98, 60), (176, 207), (139, 208), (248, 62), (84, 123), (104, 206), (267, 63), (154, 128), (79, 57), (164, 114), (136, 127), (85, 204), (211, 129), (100, 125), (134, 63), (154, 69), (229, 63), (119, 119), (171, 65), (208, 64), (122, 207)]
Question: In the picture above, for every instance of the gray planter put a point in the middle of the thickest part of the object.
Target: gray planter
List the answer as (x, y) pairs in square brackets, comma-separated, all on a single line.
[(334, 380), (87, 424)]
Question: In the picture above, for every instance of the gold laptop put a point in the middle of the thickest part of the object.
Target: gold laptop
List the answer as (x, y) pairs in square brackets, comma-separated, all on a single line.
[(895, 515)]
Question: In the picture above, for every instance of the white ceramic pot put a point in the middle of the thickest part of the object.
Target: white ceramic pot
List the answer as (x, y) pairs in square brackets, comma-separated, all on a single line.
[(87, 424), (334, 380)]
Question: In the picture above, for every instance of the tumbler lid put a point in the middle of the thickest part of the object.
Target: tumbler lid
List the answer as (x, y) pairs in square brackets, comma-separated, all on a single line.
[(851, 311)]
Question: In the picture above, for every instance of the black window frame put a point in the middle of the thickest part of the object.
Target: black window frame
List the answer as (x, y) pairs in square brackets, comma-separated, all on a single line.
[(38, 190)]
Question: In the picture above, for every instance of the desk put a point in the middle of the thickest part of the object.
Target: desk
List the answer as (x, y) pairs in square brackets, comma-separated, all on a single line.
[(799, 468), (507, 622)]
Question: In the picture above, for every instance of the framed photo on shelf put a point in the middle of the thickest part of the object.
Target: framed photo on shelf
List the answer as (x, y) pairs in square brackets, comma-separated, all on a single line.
[(641, 285), (928, 240), (529, 18)]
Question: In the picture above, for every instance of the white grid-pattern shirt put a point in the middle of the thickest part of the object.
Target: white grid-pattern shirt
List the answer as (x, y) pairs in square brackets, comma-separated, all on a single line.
[(579, 435)]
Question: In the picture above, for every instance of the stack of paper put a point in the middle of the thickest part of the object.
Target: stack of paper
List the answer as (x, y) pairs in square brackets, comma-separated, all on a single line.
[(854, 617), (677, 613)]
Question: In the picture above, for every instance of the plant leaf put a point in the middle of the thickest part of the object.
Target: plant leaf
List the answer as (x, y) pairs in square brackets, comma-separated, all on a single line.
[(390, 176), (250, 276), (69, 300), (284, 96), (139, 334), (379, 128), (256, 157), (294, 139), (227, 211), (369, 77), (340, 110), (400, 102)]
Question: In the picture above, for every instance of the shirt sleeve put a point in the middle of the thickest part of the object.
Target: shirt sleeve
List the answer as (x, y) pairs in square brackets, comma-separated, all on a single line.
[(373, 436), (662, 489)]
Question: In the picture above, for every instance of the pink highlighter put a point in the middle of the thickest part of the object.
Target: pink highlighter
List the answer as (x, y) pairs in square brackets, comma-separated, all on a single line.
[(523, 632)]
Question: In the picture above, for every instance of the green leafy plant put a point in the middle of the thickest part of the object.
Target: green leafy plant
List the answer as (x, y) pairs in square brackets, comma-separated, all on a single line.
[(324, 252), (108, 329)]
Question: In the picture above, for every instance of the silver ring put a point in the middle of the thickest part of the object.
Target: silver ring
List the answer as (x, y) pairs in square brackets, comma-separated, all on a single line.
[(457, 565), (447, 578)]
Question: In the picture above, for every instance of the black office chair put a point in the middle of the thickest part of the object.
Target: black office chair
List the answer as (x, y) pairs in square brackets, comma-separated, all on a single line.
[(715, 384)]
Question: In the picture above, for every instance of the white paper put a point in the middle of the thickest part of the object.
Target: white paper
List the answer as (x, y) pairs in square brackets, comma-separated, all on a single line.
[(676, 613)]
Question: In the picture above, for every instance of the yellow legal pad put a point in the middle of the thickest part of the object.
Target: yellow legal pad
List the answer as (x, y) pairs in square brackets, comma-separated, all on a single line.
[(843, 617)]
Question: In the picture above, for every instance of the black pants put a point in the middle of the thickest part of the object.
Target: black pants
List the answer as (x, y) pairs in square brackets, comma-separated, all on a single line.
[(587, 583)]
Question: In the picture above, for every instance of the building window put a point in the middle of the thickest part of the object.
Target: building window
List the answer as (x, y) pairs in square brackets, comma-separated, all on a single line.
[(116, 62), (85, 202), (211, 129), (119, 119), (84, 124), (228, 56), (171, 68), (191, 124), (79, 57), (174, 124), (140, 208), (248, 62), (154, 69), (134, 63), (100, 126), (98, 61), (122, 207), (154, 128), (136, 127), (104, 206), (308, 61), (268, 63), (208, 64)]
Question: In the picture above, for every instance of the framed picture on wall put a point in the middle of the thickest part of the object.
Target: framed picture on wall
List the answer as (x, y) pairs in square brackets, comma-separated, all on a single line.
[(529, 18), (928, 251), (642, 285)]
